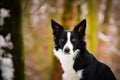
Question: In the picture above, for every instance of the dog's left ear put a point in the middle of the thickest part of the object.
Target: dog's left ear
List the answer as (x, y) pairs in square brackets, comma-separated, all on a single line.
[(57, 28), (80, 28)]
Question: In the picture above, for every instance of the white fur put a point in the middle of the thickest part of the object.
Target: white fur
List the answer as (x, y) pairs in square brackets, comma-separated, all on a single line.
[(68, 44), (67, 61)]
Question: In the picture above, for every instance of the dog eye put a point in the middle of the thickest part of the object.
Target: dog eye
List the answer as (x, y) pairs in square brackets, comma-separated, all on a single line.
[(73, 39), (62, 40)]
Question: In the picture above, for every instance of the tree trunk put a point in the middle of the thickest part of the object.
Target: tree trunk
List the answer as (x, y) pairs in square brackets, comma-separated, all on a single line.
[(107, 11), (11, 33), (92, 25), (69, 16)]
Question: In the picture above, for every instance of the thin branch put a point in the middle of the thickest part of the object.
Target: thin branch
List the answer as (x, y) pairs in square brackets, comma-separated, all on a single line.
[(25, 5), (38, 7)]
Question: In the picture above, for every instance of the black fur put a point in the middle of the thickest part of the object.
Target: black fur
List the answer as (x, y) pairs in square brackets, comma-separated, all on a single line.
[(92, 68)]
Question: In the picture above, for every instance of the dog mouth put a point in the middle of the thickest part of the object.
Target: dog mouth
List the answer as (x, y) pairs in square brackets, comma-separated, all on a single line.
[(67, 53)]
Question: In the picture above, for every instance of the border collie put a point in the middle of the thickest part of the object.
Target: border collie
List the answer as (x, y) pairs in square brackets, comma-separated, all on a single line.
[(77, 63)]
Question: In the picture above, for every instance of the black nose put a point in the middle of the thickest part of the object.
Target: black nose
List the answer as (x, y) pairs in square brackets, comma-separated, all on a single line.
[(67, 50)]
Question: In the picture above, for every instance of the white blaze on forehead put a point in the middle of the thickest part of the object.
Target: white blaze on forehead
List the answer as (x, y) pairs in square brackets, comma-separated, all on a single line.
[(68, 43)]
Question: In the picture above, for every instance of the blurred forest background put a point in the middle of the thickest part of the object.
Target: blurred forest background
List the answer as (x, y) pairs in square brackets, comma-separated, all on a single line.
[(39, 63)]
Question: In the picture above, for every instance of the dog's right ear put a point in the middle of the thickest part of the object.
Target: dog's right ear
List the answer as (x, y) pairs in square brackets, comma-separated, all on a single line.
[(57, 28), (80, 28)]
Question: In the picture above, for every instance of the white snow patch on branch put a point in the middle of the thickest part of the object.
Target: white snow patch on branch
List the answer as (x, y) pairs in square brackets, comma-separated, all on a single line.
[(6, 65), (3, 14)]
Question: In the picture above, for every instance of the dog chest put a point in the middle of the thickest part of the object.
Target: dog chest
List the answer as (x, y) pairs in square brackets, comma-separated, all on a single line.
[(69, 72), (72, 75), (67, 63)]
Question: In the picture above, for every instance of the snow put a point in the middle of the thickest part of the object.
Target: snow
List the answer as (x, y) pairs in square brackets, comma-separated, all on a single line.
[(3, 14), (6, 63), (7, 67), (2, 41)]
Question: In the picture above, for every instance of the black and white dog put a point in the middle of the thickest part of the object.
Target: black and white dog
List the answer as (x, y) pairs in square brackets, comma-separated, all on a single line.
[(76, 61)]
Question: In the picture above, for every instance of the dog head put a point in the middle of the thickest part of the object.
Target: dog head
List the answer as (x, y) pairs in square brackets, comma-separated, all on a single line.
[(69, 41)]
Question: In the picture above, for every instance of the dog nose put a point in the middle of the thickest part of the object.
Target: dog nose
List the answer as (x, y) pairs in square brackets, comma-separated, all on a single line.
[(67, 50)]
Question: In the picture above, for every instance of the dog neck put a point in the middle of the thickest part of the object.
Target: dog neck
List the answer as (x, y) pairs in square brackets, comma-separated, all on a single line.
[(67, 62)]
